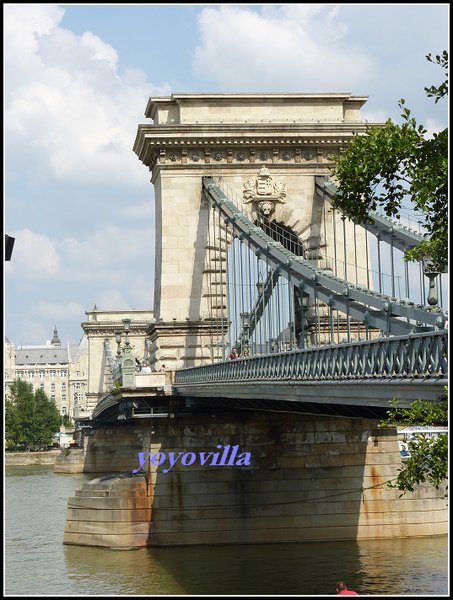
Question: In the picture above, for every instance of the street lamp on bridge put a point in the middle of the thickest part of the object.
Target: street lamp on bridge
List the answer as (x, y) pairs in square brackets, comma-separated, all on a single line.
[(245, 337), (124, 359), (305, 305), (431, 273)]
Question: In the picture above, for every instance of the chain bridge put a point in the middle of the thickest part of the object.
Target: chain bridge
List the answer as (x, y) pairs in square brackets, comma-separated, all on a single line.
[(251, 255), (280, 328)]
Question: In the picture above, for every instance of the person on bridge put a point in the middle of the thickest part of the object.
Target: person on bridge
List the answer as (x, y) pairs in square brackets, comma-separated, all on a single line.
[(234, 354), (342, 590)]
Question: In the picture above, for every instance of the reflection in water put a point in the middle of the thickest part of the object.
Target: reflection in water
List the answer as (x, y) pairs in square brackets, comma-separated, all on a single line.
[(38, 563), (405, 566), (100, 571), (372, 567)]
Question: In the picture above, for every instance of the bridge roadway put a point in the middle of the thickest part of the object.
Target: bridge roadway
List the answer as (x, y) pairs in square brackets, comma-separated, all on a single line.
[(349, 379)]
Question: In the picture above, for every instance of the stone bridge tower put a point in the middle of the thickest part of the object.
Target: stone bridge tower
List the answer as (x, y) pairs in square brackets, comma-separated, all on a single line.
[(268, 148)]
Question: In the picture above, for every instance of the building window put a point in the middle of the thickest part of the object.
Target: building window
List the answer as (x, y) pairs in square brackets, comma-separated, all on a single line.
[(63, 398), (52, 397), (63, 387), (42, 386), (63, 410), (52, 374), (52, 387)]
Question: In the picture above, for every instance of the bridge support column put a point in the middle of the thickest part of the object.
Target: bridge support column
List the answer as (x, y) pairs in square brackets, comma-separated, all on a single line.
[(244, 477), (112, 511)]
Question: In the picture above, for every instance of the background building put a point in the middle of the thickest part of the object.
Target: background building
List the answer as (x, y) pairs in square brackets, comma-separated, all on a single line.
[(61, 371), (76, 376)]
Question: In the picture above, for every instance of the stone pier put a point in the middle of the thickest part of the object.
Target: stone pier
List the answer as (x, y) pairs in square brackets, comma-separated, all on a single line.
[(309, 479)]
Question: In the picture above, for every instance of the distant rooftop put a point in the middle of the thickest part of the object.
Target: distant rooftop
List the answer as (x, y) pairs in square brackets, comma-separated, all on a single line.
[(41, 355)]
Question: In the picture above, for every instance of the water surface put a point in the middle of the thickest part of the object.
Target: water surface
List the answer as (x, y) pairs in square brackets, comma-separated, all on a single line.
[(37, 562)]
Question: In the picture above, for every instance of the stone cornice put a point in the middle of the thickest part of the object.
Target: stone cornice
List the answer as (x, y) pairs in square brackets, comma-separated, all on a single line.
[(95, 329), (178, 328), (286, 144), (240, 134), (302, 154)]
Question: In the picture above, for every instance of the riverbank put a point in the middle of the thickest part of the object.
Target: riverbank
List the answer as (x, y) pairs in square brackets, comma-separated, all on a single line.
[(25, 459)]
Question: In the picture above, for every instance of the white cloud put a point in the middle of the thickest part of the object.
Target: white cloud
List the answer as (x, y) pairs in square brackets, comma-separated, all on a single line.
[(31, 331), (112, 255), (35, 256), (141, 212), (279, 48), (101, 51), (111, 298), (374, 116), (24, 24), (69, 114), (56, 311), (433, 126), (142, 290)]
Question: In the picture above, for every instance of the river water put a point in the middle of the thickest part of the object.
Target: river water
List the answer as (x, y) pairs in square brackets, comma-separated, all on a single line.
[(37, 563)]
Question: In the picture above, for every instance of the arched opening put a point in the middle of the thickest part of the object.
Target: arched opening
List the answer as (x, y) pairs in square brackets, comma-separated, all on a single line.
[(282, 234)]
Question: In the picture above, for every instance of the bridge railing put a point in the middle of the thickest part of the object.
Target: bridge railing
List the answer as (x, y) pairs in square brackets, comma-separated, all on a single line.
[(421, 356)]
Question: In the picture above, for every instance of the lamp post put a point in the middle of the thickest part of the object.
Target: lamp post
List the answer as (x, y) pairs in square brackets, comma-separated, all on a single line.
[(273, 345), (291, 335), (118, 344), (431, 273), (126, 329), (124, 359), (304, 329), (245, 318), (261, 305)]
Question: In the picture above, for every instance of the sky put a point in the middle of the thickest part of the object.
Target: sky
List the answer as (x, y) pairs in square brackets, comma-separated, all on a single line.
[(77, 78)]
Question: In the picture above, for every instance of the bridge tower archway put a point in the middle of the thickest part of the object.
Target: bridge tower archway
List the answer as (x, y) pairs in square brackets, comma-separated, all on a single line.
[(267, 149)]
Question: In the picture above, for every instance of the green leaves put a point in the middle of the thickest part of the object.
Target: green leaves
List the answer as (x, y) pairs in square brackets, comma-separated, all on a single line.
[(421, 412), (393, 162), (31, 419), (429, 456), (440, 91), (428, 463)]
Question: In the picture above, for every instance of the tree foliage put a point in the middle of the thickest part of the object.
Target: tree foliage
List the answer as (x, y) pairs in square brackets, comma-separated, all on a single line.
[(66, 421), (31, 419), (428, 461), (421, 412), (393, 162)]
